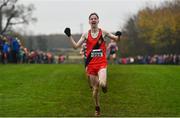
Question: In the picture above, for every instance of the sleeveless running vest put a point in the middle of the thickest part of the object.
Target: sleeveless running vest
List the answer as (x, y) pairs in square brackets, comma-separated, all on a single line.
[(96, 50)]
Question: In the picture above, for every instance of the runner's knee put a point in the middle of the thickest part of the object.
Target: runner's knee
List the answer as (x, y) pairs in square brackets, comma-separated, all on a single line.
[(102, 77), (102, 82)]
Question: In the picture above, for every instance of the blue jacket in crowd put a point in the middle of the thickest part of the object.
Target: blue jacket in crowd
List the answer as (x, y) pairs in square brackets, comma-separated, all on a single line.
[(15, 45)]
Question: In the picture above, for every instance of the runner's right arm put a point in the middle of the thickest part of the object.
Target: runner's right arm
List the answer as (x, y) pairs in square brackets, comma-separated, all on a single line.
[(67, 31)]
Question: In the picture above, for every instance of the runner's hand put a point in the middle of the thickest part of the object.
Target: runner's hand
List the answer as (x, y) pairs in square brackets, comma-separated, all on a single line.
[(118, 33), (67, 31)]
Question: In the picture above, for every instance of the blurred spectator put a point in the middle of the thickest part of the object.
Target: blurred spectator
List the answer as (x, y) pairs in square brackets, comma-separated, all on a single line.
[(83, 51), (49, 57), (112, 49), (61, 59), (5, 52), (20, 55), (15, 49)]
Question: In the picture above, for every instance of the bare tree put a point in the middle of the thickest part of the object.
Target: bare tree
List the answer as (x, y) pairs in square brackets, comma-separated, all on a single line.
[(12, 13)]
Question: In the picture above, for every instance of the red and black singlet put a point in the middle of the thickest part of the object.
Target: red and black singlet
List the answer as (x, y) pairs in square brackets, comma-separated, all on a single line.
[(96, 50)]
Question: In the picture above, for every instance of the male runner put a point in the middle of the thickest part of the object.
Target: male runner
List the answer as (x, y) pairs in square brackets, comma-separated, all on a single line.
[(112, 49), (96, 63)]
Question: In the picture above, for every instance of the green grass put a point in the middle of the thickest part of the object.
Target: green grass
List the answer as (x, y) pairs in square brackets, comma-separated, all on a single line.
[(62, 90)]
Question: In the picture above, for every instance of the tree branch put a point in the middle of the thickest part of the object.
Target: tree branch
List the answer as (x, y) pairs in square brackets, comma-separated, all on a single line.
[(8, 20), (4, 4), (7, 23), (15, 23), (14, 14)]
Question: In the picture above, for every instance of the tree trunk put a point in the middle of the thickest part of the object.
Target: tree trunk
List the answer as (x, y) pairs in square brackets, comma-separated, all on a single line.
[(1, 21)]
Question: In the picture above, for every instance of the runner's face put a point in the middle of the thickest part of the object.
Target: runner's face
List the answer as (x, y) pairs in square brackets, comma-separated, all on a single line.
[(93, 21)]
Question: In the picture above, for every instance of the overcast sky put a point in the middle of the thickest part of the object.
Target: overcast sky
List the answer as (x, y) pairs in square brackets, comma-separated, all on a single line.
[(54, 15)]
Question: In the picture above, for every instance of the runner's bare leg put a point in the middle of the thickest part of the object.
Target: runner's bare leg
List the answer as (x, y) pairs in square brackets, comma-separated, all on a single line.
[(103, 79), (95, 87)]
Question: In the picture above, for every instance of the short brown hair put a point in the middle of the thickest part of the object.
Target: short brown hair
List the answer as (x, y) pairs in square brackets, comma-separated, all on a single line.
[(94, 14)]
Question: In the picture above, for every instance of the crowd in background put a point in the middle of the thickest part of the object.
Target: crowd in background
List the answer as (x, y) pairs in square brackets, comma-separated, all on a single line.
[(155, 59), (112, 50), (12, 51)]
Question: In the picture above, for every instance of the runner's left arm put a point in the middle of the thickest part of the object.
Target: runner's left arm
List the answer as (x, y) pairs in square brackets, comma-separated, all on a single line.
[(115, 37)]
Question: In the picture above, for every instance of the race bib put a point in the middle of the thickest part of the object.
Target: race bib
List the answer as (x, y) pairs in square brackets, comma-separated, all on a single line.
[(96, 53)]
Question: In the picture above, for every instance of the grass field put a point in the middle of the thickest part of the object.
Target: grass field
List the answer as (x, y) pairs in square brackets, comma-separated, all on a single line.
[(62, 90)]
